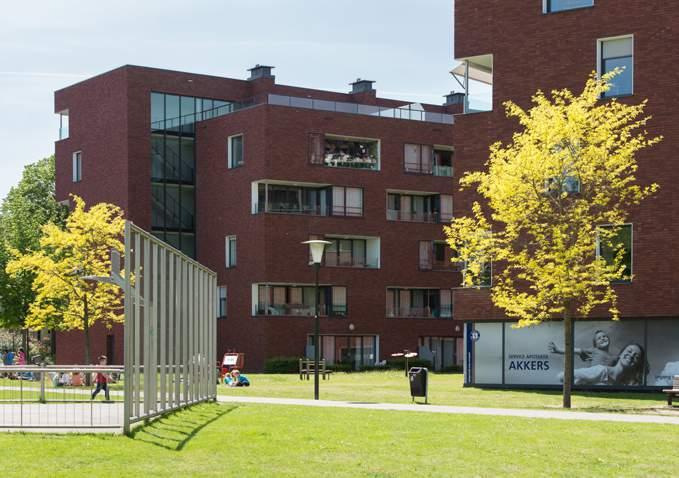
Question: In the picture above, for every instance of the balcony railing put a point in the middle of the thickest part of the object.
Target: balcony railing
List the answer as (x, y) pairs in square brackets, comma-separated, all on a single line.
[(441, 312), (302, 310), (346, 260), (410, 216), (427, 264), (443, 170), (408, 112), (412, 112), (284, 208)]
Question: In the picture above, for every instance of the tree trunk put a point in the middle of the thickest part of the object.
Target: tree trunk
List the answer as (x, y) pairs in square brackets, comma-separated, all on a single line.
[(86, 330), (26, 346), (568, 359)]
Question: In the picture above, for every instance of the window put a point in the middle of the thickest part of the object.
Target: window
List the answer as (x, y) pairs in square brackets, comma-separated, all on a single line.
[(617, 53), (63, 125), (222, 301), (567, 184), (77, 166), (485, 279), (354, 350), (347, 201), (418, 158), (616, 245), (437, 256), (551, 6), (230, 251), (235, 152)]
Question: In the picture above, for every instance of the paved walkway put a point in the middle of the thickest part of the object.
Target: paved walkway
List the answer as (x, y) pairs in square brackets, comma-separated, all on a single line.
[(501, 412)]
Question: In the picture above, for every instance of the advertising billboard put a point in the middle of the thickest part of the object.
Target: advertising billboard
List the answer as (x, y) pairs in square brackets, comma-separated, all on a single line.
[(627, 353)]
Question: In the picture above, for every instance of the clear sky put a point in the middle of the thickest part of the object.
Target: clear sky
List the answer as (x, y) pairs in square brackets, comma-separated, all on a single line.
[(45, 45)]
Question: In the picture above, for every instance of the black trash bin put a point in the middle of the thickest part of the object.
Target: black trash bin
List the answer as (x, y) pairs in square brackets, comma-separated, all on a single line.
[(419, 382)]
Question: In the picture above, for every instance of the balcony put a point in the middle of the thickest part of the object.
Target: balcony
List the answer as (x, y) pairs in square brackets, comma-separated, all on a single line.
[(279, 197), (298, 300), (475, 77), (419, 303), (415, 206), (428, 159)]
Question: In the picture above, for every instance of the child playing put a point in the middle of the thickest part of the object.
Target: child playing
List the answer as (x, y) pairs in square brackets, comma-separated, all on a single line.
[(235, 379), (597, 355), (102, 380)]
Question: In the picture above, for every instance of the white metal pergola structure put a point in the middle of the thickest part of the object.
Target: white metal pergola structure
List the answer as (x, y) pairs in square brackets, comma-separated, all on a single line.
[(170, 328)]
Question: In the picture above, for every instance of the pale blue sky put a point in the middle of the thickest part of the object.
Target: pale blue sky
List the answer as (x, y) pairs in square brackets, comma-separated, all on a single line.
[(404, 45)]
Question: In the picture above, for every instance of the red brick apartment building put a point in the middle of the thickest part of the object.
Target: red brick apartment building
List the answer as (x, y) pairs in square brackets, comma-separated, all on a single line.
[(239, 173), (525, 45)]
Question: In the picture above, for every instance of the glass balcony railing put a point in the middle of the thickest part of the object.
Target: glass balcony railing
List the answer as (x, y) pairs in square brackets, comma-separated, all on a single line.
[(443, 170), (347, 260), (411, 112), (302, 310), (291, 208), (440, 312), (411, 216)]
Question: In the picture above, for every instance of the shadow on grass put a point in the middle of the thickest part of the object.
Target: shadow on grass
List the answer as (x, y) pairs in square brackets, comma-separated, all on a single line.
[(174, 431)]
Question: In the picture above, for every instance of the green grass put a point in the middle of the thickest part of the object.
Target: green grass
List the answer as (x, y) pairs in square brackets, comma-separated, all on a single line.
[(283, 441), (444, 389)]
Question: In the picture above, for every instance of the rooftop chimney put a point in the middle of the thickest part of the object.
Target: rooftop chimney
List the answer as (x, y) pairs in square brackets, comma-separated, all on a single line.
[(362, 86), (453, 98), (261, 71)]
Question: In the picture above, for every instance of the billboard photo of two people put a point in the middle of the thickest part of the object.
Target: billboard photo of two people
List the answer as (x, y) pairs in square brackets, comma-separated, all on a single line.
[(629, 353)]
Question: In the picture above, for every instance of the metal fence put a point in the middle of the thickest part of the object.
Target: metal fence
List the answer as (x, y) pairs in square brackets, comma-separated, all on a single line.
[(60, 397), (170, 328), (171, 314)]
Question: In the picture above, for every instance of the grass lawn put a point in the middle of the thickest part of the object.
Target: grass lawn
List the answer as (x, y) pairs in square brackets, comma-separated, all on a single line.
[(444, 389), (281, 441)]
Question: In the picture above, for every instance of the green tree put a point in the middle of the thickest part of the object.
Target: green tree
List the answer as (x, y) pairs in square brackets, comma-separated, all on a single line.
[(28, 206), (570, 169), (64, 299)]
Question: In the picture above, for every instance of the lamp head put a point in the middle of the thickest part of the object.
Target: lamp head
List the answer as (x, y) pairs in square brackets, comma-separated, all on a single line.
[(317, 247)]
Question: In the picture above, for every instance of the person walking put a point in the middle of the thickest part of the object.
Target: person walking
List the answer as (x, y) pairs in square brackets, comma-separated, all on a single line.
[(101, 380)]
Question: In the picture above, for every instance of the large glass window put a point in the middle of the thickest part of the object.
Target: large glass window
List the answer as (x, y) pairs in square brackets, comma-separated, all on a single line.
[(561, 5), (618, 53), (173, 167), (614, 245)]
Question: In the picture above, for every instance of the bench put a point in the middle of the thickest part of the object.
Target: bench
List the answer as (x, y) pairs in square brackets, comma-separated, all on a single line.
[(306, 368), (671, 392)]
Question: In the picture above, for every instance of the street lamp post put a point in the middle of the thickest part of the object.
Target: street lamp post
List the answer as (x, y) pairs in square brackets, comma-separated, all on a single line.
[(317, 247)]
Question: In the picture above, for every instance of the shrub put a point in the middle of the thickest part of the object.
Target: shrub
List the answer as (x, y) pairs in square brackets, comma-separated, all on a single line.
[(399, 363), (281, 365)]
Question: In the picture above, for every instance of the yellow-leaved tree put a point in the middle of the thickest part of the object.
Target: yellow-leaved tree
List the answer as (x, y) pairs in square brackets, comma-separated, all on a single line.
[(64, 298), (546, 195)]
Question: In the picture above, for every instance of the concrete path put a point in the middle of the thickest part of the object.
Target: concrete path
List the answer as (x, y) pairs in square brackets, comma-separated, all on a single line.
[(87, 417), (500, 412)]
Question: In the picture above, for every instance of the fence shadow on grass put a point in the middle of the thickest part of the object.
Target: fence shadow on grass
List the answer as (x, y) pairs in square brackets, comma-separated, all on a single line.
[(175, 430)]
